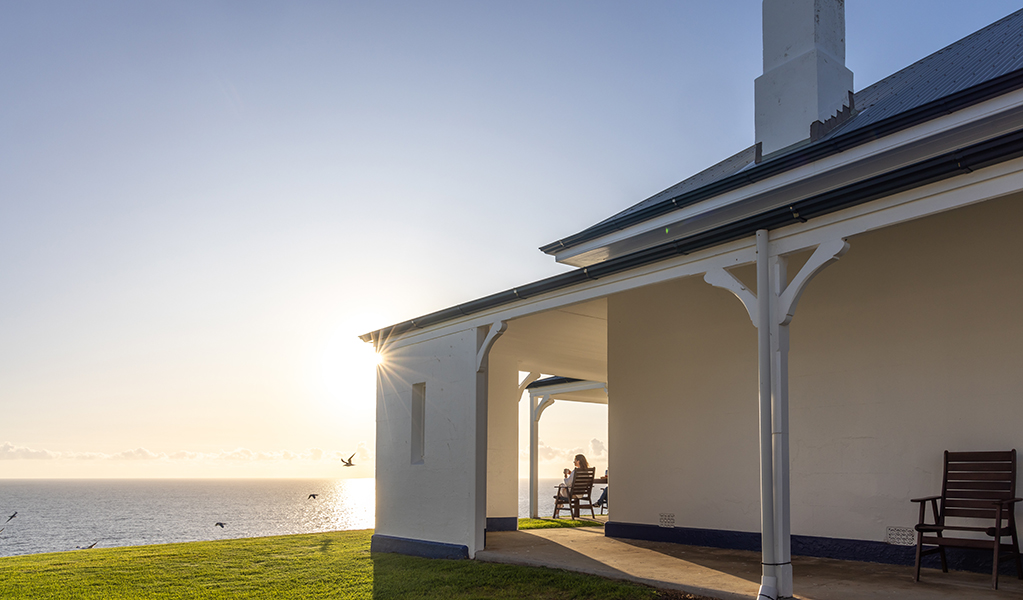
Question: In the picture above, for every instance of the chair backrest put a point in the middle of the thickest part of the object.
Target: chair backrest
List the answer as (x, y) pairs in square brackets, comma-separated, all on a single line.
[(974, 479), (582, 482)]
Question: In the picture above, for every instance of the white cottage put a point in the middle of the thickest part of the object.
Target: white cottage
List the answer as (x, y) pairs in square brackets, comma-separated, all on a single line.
[(748, 406)]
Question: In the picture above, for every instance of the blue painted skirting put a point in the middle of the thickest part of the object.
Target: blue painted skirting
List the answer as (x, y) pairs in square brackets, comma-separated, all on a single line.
[(805, 545), (502, 523), (423, 548)]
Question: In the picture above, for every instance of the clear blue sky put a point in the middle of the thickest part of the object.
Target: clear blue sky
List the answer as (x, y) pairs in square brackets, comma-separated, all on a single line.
[(202, 204)]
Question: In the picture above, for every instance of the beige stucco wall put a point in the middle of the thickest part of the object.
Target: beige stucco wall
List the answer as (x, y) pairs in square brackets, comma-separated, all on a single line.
[(911, 344), (682, 402), (435, 500)]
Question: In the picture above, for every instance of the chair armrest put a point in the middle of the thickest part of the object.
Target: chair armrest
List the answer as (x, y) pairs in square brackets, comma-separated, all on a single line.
[(925, 499), (1007, 501)]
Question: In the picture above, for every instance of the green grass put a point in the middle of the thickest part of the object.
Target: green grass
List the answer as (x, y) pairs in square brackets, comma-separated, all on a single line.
[(556, 523), (321, 565)]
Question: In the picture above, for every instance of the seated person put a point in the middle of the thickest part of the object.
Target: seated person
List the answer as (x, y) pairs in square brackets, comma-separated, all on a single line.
[(603, 495), (580, 463)]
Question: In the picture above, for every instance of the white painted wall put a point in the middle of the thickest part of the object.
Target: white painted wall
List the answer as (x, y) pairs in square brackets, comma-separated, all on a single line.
[(911, 344), (433, 501), (503, 435)]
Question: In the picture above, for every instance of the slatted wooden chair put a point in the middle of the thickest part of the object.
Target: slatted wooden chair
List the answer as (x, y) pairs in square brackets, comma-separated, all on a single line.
[(579, 496), (978, 495)]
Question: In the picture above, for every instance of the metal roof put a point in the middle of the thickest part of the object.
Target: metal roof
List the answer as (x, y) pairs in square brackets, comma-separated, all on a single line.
[(982, 57)]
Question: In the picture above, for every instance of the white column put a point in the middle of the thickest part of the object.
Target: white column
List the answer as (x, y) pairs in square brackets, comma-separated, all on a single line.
[(771, 311), (485, 338), (769, 577), (535, 410), (779, 361)]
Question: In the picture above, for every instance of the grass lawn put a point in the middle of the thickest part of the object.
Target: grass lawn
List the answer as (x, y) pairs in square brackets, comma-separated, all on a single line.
[(319, 565), (556, 523)]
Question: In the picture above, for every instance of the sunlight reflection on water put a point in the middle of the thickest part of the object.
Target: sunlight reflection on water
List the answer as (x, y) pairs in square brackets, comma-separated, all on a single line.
[(58, 515)]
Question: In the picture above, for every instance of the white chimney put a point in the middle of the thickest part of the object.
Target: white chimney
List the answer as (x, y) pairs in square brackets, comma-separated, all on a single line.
[(805, 79)]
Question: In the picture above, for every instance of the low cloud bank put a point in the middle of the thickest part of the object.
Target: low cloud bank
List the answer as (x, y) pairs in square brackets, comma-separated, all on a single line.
[(596, 450), (9, 451)]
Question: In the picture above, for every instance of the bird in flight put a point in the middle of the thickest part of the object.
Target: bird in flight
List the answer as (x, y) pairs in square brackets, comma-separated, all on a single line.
[(349, 463), (89, 547), (312, 496), (219, 524), (11, 517)]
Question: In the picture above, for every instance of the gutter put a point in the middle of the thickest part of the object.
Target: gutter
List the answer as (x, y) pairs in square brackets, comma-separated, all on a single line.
[(798, 158), (957, 162)]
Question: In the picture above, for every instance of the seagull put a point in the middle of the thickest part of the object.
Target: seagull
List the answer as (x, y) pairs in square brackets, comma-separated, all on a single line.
[(11, 517), (349, 463), (312, 496), (89, 547), (219, 524)]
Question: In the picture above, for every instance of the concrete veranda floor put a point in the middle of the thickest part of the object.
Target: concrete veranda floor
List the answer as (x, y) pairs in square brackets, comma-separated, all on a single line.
[(730, 574)]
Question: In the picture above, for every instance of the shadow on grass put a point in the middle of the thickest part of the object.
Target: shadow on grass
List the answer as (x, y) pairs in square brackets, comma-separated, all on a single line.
[(397, 576), (325, 545)]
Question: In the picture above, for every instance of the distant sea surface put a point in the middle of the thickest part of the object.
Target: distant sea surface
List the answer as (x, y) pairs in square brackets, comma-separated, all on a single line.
[(63, 514), (59, 515)]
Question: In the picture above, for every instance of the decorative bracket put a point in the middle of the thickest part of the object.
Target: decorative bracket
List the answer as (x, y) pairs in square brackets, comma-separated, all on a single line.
[(824, 255), (496, 329), (544, 403), (721, 278), (533, 376)]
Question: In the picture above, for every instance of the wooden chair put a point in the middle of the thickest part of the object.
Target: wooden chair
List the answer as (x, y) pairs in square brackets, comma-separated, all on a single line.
[(579, 496), (978, 494)]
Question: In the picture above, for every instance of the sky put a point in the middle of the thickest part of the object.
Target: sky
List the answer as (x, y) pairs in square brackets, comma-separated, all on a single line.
[(203, 204)]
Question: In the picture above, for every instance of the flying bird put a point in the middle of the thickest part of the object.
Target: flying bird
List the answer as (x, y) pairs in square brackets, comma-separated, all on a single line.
[(349, 463), (11, 517), (89, 547), (312, 496), (219, 524)]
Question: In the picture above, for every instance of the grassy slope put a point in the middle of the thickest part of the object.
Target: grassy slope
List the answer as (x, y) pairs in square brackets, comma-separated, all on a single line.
[(556, 523), (322, 565)]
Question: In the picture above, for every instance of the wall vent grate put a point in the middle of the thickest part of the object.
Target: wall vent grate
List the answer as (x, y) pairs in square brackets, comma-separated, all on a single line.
[(900, 536), (666, 520)]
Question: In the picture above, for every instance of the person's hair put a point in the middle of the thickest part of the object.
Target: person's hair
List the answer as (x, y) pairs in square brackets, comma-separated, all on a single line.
[(582, 461)]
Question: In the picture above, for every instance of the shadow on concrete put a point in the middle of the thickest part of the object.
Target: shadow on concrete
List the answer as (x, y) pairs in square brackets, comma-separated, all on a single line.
[(731, 574), (528, 549)]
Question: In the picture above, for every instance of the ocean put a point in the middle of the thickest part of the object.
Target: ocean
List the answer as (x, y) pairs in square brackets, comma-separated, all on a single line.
[(66, 514), (59, 515)]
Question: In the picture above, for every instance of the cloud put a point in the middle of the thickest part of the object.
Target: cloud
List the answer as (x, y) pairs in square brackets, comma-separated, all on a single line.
[(137, 454), (597, 449), (550, 453), (9, 451), (184, 455)]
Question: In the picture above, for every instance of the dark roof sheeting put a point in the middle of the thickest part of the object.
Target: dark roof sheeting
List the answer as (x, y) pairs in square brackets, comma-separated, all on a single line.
[(549, 381), (980, 57)]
